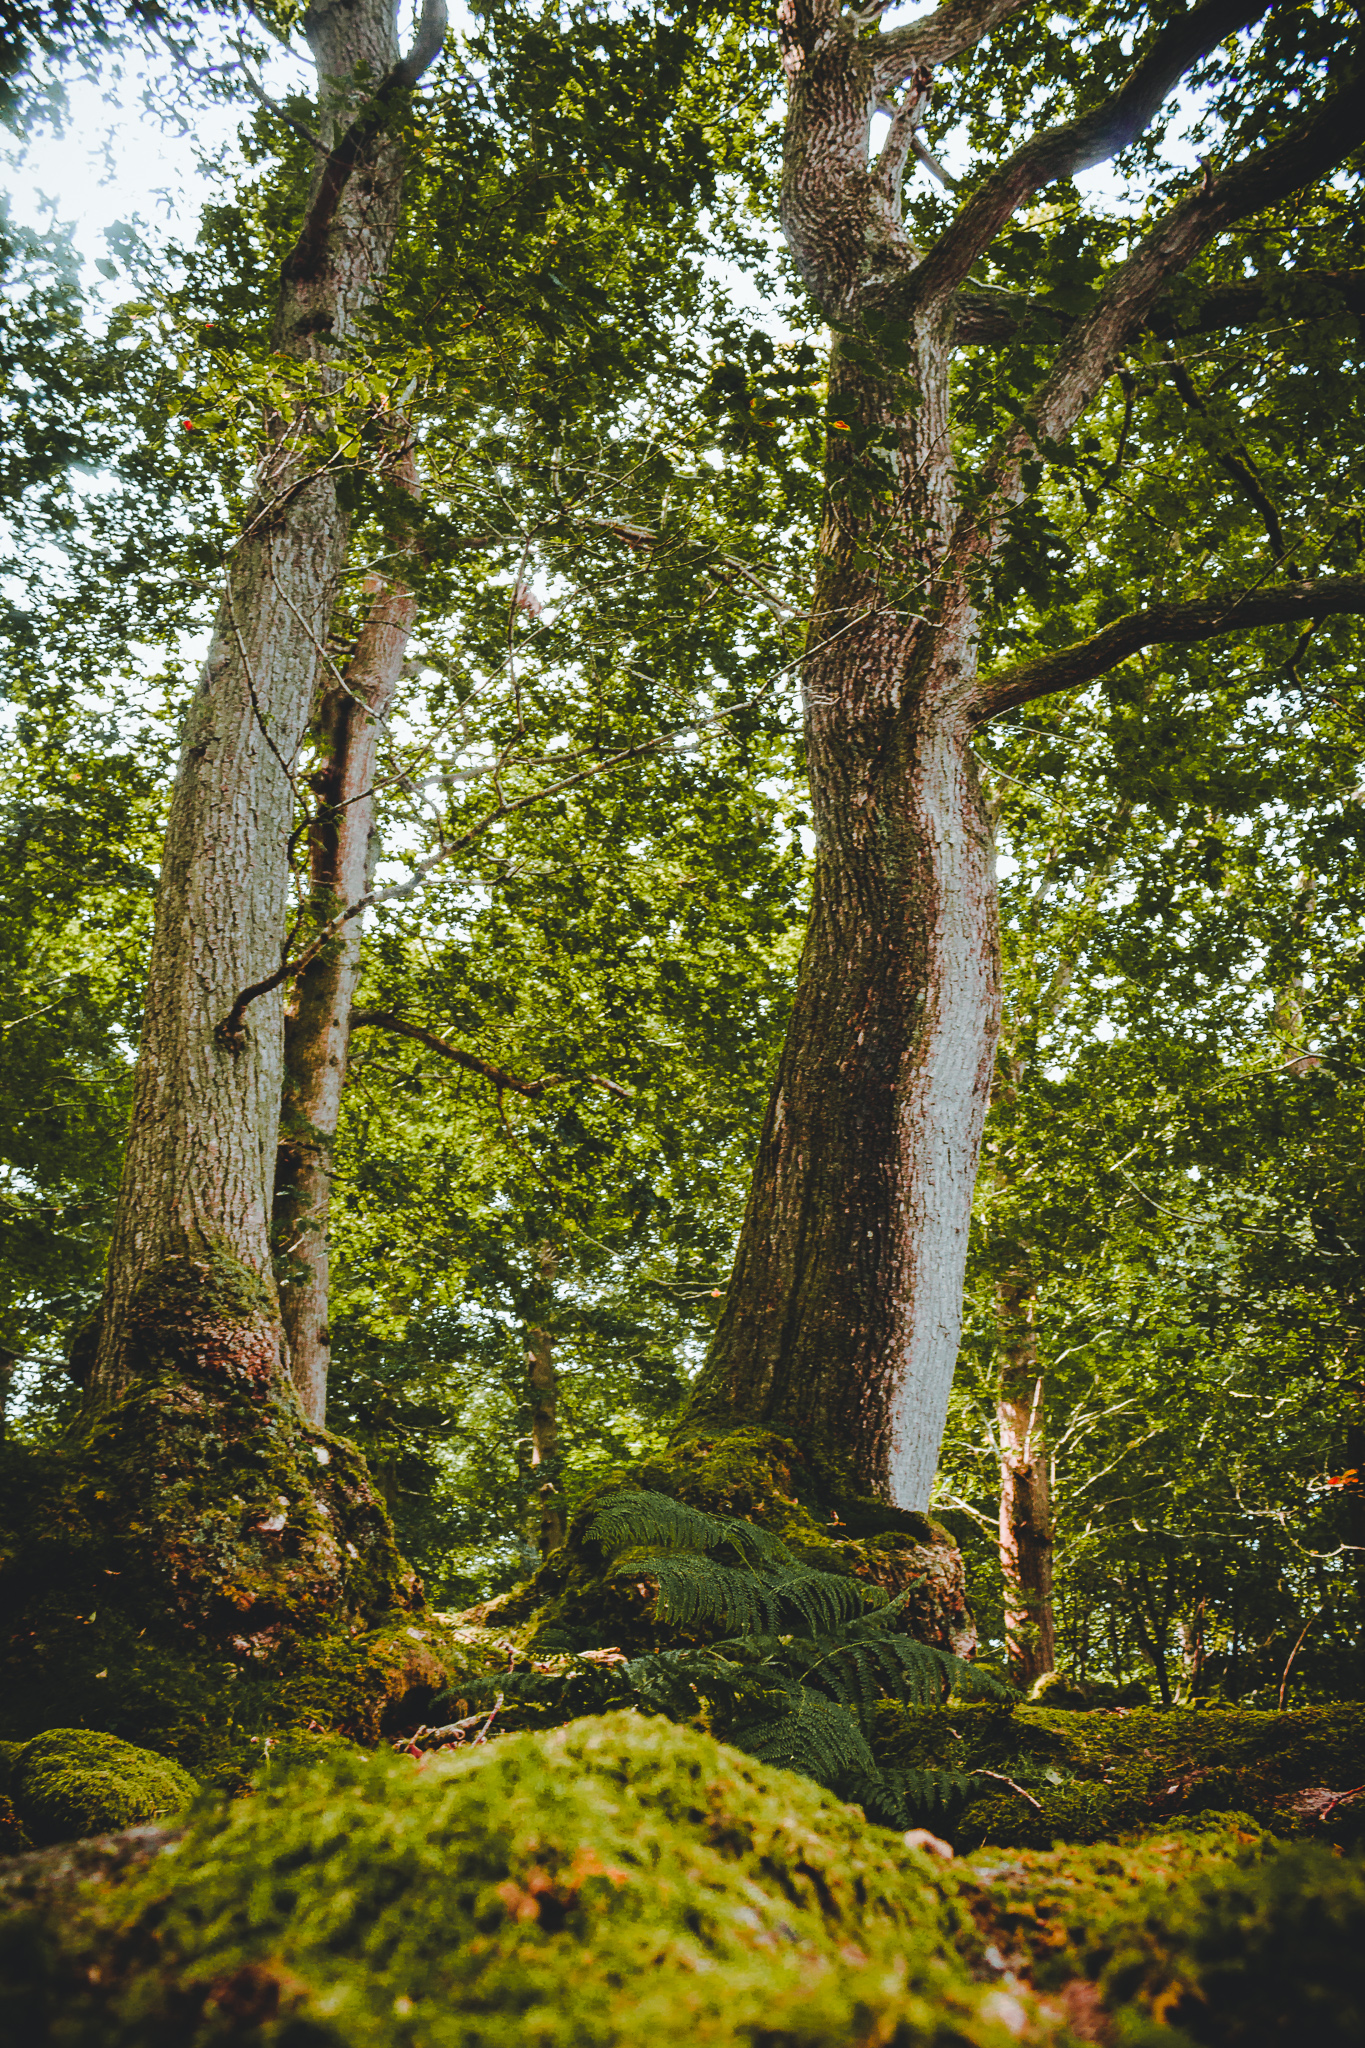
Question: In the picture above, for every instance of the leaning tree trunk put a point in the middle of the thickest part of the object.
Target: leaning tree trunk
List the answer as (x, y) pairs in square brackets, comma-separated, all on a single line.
[(317, 1028), (195, 1198)]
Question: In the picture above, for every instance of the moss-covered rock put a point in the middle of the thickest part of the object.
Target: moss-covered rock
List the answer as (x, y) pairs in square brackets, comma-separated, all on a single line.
[(617, 1881), (70, 1782), (1089, 1777), (754, 1476)]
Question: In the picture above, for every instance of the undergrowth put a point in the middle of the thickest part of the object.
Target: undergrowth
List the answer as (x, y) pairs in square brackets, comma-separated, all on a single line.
[(809, 1656)]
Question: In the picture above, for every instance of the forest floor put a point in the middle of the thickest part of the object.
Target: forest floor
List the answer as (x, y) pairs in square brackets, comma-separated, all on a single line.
[(571, 1856)]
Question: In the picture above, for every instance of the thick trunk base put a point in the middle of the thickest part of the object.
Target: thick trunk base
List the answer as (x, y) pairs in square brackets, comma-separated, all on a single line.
[(754, 1476), (196, 1559)]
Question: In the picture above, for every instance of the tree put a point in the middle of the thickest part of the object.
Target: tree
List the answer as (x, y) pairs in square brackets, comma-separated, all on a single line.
[(842, 1319)]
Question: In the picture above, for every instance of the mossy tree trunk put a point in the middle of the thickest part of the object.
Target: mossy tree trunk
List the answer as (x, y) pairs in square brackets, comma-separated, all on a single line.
[(842, 1318), (200, 1166), (317, 1027)]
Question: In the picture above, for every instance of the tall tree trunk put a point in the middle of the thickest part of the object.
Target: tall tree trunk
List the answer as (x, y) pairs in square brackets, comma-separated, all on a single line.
[(317, 1027), (542, 1394), (193, 1212), (843, 1315), (1025, 1492)]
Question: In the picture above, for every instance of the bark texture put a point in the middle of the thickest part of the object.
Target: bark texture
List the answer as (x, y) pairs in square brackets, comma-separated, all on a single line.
[(317, 1027), (200, 1165), (841, 1324)]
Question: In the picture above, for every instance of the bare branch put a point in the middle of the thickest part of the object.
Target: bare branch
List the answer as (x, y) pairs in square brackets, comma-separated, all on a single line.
[(1062, 152), (231, 1031), (1290, 296), (946, 34), (1307, 150), (272, 106), (1163, 625), (385, 1020), (932, 164)]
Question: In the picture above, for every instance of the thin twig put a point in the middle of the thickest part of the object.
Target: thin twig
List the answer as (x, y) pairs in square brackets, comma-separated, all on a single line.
[(1001, 1779)]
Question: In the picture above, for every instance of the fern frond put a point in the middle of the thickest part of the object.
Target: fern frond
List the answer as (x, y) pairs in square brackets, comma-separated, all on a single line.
[(636, 1519), (909, 1799), (697, 1592), (809, 1734)]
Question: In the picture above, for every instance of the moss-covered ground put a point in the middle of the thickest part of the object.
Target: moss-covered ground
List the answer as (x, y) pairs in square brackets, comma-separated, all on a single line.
[(1088, 1777), (624, 1880)]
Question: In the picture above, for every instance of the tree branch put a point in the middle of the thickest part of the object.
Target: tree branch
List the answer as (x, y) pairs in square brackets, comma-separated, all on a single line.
[(1163, 625), (1062, 152), (944, 35), (305, 258), (990, 315), (385, 1020), (1307, 150)]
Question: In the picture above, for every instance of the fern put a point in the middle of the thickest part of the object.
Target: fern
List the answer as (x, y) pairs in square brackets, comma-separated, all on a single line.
[(636, 1519), (909, 1799), (695, 1591), (806, 1657), (810, 1734)]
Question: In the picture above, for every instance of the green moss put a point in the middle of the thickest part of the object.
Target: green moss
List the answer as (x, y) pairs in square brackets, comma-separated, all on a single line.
[(70, 1782), (614, 1882), (196, 1563), (751, 1475), (1086, 1777), (1210, 1932)]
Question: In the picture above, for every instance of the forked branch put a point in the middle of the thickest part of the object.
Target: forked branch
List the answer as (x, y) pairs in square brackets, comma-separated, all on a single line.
[(943, 35), (1163, 625), (305, 258), (1074, 146), (1311, 147)]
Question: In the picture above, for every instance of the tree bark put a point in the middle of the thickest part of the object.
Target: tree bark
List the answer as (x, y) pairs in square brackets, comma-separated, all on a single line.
[(196, 1189), (1025, 1491), (317, 1027)]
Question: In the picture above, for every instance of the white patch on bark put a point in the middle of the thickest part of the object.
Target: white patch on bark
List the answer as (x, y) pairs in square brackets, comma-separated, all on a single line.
[(943, 1109)]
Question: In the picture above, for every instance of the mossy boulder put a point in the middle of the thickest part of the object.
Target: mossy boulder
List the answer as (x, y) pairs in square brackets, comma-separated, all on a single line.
[(1209, 1932), (71, 1782), (755, 1476), (1059, 1689), (616, 1881)]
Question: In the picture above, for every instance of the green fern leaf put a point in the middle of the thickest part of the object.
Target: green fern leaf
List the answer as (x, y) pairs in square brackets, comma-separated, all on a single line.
[(636, 1519)]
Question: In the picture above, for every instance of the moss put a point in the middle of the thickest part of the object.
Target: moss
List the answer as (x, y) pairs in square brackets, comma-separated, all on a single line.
[(73, 1781), (195, 1563), (613, 1882), (1210, 1932), (1085, 1777), (755, 1476)]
